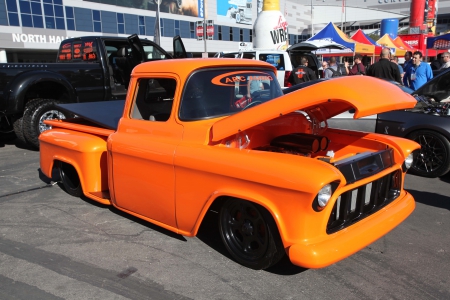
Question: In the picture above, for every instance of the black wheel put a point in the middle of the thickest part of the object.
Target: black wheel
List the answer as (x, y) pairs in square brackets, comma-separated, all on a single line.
[(70, 179), (433, 158), (250, 234), (18, 130), (36, 112)]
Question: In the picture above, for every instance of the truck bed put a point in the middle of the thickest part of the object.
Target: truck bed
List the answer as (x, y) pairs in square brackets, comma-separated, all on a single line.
[(105, 113), (99, 118)]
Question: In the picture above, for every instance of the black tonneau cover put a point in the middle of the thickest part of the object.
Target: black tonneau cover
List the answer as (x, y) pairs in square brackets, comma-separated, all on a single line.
[(105, 113)]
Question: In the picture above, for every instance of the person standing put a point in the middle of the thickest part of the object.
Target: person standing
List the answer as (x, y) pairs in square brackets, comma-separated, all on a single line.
[(358, 68), (384, 68), (345, 70), (400, 68), (437, 63), (419, 73), (446, 59), (407, 64), (333, 69), (324, 67), (302, 73)]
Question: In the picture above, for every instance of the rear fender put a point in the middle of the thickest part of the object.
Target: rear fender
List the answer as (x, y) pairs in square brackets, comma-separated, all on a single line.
[(22, 83), (85, 152)]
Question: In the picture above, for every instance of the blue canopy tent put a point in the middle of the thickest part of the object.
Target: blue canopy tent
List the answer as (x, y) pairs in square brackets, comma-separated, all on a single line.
[(331, 32)]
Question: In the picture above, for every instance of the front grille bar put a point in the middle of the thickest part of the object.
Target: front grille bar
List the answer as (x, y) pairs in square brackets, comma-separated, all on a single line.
[(354, 205)]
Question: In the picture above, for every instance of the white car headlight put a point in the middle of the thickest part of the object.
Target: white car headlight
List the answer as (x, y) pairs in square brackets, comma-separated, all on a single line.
[(409, 161), (324, 195)]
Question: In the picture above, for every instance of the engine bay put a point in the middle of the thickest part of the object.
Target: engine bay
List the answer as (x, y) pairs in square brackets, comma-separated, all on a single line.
[(304, 134), (428, 105)]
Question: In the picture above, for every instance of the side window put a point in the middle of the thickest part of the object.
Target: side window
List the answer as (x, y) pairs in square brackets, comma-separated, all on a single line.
[(152, 53), (276, 60), (153, 99)]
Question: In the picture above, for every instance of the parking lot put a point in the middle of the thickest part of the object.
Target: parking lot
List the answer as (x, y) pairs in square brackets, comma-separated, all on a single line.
[(54, 246)]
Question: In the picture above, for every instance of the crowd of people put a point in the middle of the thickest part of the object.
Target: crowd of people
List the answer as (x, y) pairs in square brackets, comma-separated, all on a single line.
[(413, 73)]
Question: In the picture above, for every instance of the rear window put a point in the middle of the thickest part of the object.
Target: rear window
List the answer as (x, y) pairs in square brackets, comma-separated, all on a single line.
[(77, 51)]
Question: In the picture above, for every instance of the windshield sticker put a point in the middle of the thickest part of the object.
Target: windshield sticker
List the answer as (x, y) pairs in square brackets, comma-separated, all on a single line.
[(240, 78)]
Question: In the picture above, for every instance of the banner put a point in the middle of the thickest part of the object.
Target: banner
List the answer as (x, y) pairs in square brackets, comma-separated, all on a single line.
[(178, 7), (234, 11)]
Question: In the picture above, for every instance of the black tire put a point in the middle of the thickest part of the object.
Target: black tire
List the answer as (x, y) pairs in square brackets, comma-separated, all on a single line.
[(36, 111), (250, 234), (433, 158), (70, 179), (18, 130)]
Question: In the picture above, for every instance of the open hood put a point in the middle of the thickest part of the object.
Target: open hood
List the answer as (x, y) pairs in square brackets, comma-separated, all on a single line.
[(315, 45), (366, 95)]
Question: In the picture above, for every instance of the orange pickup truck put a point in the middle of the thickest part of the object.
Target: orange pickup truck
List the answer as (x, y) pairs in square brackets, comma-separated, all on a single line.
[(188, 139)]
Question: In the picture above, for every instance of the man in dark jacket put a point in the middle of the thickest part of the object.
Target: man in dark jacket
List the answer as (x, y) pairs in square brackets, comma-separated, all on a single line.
[(384, 68), (302, 73)]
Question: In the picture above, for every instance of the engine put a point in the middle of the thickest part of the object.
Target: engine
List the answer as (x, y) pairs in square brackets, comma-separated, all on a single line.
[(427, 105)]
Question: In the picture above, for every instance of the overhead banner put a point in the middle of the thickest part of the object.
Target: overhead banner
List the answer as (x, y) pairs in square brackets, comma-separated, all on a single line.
[(192, 8), (234, 11)]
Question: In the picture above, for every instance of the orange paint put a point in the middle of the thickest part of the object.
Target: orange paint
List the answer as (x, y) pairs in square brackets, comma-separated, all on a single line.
[(171, 172)]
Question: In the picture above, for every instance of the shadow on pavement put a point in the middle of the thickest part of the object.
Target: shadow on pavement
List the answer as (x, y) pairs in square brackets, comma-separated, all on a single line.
[(431, 199)]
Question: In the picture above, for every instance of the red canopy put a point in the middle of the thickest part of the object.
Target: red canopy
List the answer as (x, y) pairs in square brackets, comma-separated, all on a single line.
[(361, 37), (401, 44)]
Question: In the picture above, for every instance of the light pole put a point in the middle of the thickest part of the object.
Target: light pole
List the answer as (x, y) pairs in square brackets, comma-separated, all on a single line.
[(312, 19)]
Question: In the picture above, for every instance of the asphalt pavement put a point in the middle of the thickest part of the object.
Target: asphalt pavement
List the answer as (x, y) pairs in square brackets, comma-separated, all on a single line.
[(55, 246)]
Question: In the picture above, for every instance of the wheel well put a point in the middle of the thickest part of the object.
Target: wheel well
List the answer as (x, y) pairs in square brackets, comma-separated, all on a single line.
[(59, 165), (47, 90), (408, 135), (219, 201)]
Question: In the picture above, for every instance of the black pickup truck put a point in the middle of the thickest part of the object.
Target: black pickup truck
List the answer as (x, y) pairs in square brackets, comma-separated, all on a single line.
[(87, 69)]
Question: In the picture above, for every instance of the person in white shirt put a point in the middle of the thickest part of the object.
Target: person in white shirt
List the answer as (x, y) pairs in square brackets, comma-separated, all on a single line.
[(446, 59)]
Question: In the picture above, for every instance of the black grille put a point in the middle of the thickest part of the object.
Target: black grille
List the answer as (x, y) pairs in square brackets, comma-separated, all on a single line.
[(355, 205)]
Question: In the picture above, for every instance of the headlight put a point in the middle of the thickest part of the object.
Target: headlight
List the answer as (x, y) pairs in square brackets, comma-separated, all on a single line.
[(409, 161), (324, 195)]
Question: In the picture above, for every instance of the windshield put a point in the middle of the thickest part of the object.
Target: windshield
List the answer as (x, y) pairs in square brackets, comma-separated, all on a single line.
[(219, 92)]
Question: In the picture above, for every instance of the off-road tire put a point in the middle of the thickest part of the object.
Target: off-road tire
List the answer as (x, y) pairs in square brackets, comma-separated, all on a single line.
[(18, 130), (36, 111)]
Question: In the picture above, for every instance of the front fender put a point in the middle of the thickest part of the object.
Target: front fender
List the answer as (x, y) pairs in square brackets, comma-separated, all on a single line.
[(22, 83)]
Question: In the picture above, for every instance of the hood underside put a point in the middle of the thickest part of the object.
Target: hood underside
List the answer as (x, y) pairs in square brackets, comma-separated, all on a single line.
[(366, 95)]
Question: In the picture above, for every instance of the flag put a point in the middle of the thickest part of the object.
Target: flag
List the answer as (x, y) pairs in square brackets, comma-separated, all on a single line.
[(157, 35)]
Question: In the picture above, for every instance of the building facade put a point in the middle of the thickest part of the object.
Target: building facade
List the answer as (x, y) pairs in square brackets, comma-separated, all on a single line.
[(31, 30)]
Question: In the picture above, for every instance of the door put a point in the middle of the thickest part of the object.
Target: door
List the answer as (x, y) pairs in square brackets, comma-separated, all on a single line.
[(143, 151), (178, 48)]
